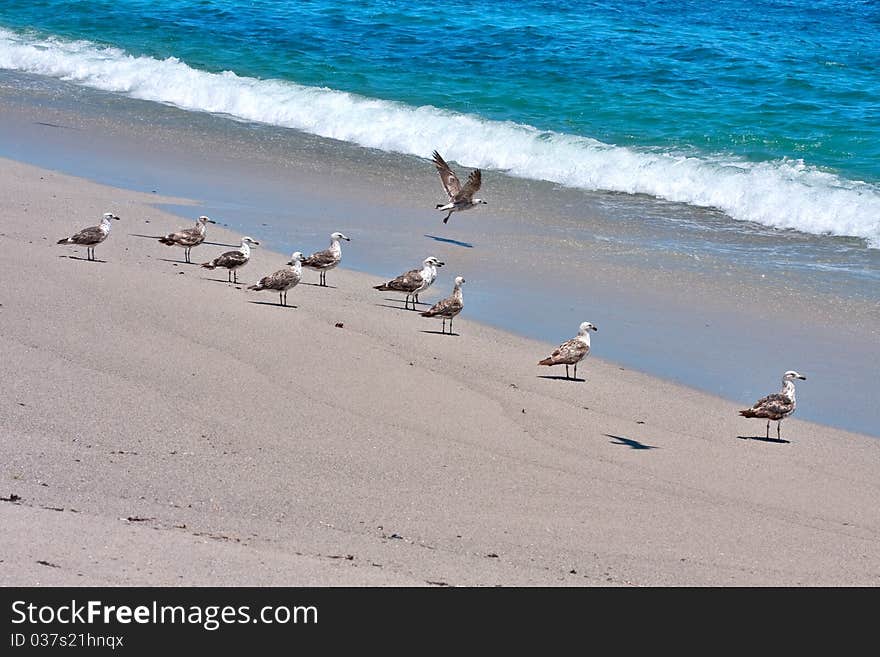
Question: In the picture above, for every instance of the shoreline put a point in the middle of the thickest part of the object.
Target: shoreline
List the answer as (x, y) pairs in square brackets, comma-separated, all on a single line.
[(167, 412), (723, 329)]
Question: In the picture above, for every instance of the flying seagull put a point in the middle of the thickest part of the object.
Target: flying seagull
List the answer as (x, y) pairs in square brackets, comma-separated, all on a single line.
[(188, 237), (283, 279), (325, 260), (92, 236), (460, 198), (777, 406), (233, 260), (449, 307), (572, 352), (414, 281)]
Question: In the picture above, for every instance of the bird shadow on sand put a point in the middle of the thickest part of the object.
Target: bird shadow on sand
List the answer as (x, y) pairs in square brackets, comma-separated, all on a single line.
[(146, 237), (559, 377), (629, 442), (274, 305), (72, 257), (385, 305), (329, 287), (222, 280), (441, 333), (447, 240), (765, 439), (178, 262)]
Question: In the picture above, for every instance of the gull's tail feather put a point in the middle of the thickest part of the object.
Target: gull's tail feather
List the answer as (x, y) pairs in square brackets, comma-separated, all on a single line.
[(749, 412), (167, 240), (546, 361), (209, 265), (65, 240)]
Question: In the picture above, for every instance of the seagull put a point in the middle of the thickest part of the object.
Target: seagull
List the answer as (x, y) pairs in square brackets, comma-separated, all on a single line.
[(188, 237), (414, 281), (460, 198), (327, 259), (283, 279), (449, 307), (777, 406), (233, 260), (92, 236), (572, 352)]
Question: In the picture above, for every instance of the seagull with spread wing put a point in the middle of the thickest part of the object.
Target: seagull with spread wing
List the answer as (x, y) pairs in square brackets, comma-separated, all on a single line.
[(460, 198)]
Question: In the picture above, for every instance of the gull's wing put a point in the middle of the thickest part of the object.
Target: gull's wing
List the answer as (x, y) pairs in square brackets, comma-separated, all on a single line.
[(447, 176), (569, 352), (320, 259), (773, 406), (473, 183), (230, 259), (89, 236), (407, 282), (448, 307)]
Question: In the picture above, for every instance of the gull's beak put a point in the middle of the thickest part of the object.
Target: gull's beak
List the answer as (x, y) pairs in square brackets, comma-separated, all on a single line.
[(440, 264), (802, 378), (347, 239), (211, 221), (596, 329), (115, 217), (256, 243)]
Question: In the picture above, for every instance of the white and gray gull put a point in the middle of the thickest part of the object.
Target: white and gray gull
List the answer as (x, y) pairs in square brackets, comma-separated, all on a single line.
[(414, 281), (778, 406), (92, 236), (460, 198), (324, 261), (448, 308), (572, 352), (233, 260), (188, 237), (283, 279)]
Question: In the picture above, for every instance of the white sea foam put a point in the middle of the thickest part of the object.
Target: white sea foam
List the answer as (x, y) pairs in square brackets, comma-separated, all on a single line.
[(783, 194)]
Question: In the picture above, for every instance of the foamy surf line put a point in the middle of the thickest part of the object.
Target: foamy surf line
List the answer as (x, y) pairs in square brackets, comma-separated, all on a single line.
[(781, 194)]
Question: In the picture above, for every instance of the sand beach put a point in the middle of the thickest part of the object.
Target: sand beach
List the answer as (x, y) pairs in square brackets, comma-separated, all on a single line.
[(160, 426)]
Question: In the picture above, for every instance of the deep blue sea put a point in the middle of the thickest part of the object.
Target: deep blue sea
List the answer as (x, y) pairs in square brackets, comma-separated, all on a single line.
[(768, 110)]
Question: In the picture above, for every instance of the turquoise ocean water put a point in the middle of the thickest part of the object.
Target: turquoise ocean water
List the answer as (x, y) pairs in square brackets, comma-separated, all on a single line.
[(768, 110)]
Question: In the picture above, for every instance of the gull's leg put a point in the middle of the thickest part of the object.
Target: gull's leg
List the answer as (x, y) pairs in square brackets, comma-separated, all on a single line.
[(778, 424), (575, 371), (768, 428), (446, 218), (450, 326), (566, 372)]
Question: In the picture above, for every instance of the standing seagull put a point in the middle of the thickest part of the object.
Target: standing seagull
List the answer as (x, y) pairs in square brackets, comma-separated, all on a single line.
[(233, 260), (414, 281), (325, 260), (188, 237), (92, 236), (460, 198), (283, 279), (777, 406), (449, 307), (572, 352)]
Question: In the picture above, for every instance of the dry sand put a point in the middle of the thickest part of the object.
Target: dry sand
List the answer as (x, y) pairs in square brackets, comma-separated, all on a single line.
[(163, 427)]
